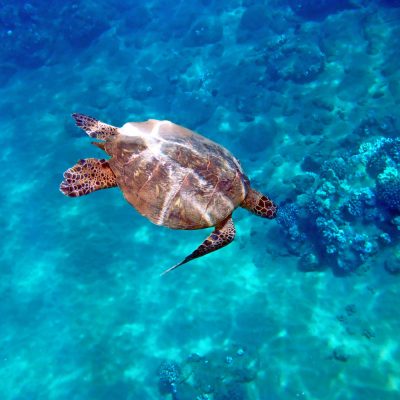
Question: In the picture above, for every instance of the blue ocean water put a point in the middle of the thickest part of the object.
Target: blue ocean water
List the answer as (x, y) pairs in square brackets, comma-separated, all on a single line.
[(306, 94)]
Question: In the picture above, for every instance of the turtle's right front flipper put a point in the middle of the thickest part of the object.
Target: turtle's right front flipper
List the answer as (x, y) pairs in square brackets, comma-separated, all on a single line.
[(87, 176), (259, 204)]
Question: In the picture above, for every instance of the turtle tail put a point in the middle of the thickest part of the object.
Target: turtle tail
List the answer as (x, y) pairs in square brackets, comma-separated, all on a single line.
[(95, 128)]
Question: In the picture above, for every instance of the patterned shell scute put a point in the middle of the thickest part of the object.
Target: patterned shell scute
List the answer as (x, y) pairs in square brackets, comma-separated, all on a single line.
[(174, 176)]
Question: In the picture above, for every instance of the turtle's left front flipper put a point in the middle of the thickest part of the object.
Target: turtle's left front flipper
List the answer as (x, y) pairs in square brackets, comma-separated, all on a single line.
[(222, 235), (87, 176)]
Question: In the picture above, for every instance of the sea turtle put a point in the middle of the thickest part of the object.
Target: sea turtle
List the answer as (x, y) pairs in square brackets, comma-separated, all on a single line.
[(171, 175)]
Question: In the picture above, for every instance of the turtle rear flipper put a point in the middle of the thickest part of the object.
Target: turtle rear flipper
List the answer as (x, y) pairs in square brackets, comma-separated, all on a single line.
[(223, 234), (87, 176), (94, 128)]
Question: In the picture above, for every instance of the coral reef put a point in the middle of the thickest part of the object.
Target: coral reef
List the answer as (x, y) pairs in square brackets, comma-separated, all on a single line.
[(388, 188), (169, 374), (347, 212), (218, 375)]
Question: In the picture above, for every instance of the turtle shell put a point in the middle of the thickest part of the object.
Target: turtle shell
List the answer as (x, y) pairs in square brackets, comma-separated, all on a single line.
[(174, 176)]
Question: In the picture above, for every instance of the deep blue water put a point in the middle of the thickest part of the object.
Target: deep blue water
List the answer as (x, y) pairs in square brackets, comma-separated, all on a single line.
[(306, 95)]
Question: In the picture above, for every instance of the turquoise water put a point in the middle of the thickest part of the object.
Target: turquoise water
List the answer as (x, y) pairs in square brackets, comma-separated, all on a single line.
[(306, 95)]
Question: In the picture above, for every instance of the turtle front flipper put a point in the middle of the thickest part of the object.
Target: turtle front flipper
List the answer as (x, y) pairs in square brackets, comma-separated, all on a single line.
[(87, 176), (222, 235), (94, 128), (259, 204)]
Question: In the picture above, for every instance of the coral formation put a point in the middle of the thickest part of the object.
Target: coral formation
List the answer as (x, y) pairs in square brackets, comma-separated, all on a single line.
[(218, 375), (344, 198), (169, 374)]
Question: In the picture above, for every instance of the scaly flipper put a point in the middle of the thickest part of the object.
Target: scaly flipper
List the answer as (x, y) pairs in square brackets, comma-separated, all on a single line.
[(222, 235), (259, 204), (94, 128), (86, 177)]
